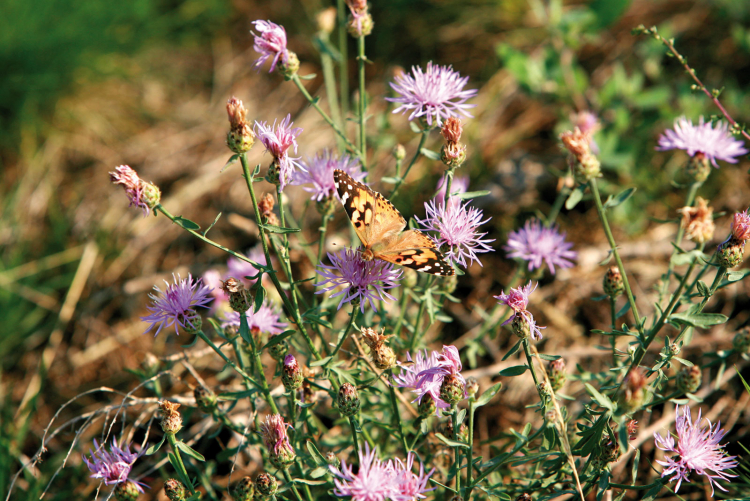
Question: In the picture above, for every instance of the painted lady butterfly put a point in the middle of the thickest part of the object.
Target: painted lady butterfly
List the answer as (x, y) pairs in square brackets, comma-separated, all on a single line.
[(380, 227)]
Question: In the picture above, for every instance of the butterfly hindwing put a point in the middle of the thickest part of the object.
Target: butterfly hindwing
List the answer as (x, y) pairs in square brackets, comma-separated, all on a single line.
[(416, 250)]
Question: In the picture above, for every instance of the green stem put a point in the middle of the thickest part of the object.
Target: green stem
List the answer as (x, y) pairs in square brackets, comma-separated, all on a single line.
[(354, 433), (394, 405), (322, 238), (456, 450), (418, 320), (285, 258), (344, 62), (562, 195), (470, 457), (290, 481), (345, 335), (361, 59), (448, 183), (527, 351), (520, 444), (411, 163), (181, 471), (292, 396), (613, 338), (401, 312), (239, 371), (662, 400), (244, 327), (329, 79)]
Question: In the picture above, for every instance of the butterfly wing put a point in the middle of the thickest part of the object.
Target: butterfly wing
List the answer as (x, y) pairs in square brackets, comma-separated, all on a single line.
[(416, 250)]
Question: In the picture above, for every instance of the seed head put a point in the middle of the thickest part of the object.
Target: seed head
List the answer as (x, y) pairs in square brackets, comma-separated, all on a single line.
[(171, 421)]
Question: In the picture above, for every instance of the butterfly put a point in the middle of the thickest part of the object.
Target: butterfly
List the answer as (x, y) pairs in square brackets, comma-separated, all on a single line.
[(380, 227)]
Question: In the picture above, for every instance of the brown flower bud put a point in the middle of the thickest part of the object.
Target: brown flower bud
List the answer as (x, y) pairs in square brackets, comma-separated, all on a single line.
[(698, 221)]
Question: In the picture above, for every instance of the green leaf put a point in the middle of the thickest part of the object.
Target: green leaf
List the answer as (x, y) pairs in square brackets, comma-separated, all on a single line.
[(271, 228), (260, 295), (623, 310), (516, 370), (620, 198), (186, 223), (319, 459), (602, 400), (415, 128), (154, 448), (190, 451), (390, 180), (703, 289), (700, 320), (549, 358), (191, 343), (575, 196), (487, 395), (320, 362), (212, 224), (653, 491), (320, 471), (734, 276), (451, 443), (278, 338), (432, 155), (513, 350), (307, 77), (471, 194), (686, 257), (310, 482), (231, 160)]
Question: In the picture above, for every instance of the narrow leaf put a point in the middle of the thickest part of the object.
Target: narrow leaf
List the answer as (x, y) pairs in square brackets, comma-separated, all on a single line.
[(190, 451), (487, 395), (451, 443), (516, 370)]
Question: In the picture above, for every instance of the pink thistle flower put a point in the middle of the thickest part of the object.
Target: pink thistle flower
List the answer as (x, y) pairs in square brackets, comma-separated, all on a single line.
[(518, 300), (140, 193), (460, 184), (410, 377), (273, 432), (431, 378), (374, 481), (113, 466), (537, 243), (271, 43), (698, 449), (319, 172), (741, 226), (435, 94), (409, 486), (714, 143), (457, 225), (176, 304), (267, 319), (212, 279), (363, 281), (278, 142)]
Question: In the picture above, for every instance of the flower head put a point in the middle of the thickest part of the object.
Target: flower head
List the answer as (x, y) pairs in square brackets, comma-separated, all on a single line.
[(113, 466), (266, 319), (457, 225), (518, 300), (140, 193), (280, 450), (270, 43), (425, 375), (363, 281), (372, 482), (435, 94), (698, 449), (741, 226), (539, 244), (714, 143), (448, 368), (278, 139), (409, 486), (176, 304), (319, 172)]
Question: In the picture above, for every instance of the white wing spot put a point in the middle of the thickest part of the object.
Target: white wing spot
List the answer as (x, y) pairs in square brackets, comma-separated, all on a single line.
[(425, 268), (344, 198)]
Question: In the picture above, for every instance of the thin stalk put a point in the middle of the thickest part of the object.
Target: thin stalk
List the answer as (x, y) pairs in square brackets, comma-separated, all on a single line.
[(509, 455), (354, 433), (181, 471), (557, 205), (290, 481), (343, 63), (613, 338), (456, 450), (292, 396), (329, 78), (527, 351), (322, 239), (470, 457), (244, 327), (285, 257), (401, 312), (418, 320), (394, 405), (411, 163), (239, 371), (345, 335), (361, 59), (448, 183)]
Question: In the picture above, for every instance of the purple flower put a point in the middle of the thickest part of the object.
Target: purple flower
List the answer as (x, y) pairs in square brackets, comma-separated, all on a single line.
[(741, 226), (697, 448), (278, 142), (714, 143), (536, 243), (271, 43), (176, 304), (435, 94), (409, 486), (410, 377), (266, 319), (460, 184), (430, 379), (457, 226), (363, 281), (273, 431), (518, 300), (113, 466), (212, 279), (319, 172), (374, 481), (588, 123), (132, 184)]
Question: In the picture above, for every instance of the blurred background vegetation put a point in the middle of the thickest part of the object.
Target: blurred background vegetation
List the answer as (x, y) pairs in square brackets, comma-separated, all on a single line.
[(90, 85)]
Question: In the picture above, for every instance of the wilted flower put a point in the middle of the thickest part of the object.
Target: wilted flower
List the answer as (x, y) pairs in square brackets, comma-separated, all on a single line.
[(588, 123), (698, 449), (267, 319), (457, 224), (113, 466), (271, 43), (518, 300), (741, 226), (372, 482), (176, 305), (435, 94), (579, 144), (278, 139), (140, 193), (273, 431), (714, 143), (363, 281), (319, 172), (539, 244), (698, 221)]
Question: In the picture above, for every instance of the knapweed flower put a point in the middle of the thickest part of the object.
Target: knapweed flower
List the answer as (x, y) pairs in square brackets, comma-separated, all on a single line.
[(372, 482), (140, 193), (113, 466), (698, 449), (460, 184), (539, 244), (212, 280), (319, 172), (518, 301), (363, 281), (270, 43), (433, 95), (741, 226), (273, 431), (582, 157), (714, 143), (456, 225), (278, 139), (446, 375), (409, 377), (409, 486), (176, 305), (266, 320)]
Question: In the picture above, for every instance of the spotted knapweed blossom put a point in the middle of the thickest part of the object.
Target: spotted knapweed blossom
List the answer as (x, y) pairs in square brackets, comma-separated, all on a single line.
[(113, 466), (176, 304), (273, 432), (456, 225), (741, 226), (410, 377), (460, 184), (140, 193), (374, 480), (266, 320), (270, 43), (448, 366), (363, 281), (409, 486), (319, 173), (697, 450), (715, 143), (538, 244), (434, 94), (518, 301), (278, 139)]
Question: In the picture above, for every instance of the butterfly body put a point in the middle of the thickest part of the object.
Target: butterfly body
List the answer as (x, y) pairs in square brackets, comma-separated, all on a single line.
[(380, 227)]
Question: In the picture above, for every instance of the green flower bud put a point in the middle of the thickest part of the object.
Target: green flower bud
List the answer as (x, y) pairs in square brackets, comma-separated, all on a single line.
[(731, 253), (348, 400), (452, 390), (126, 491), (689, 379), (175, 490)]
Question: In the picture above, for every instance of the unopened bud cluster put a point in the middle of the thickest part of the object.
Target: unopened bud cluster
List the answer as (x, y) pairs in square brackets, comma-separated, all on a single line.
[(239, 296), (291, 375), (243, 490), (126, 491), (732, 251), (205, 399), (453, 389), (427, 406), (140, 193), (472, 387), (382, 355), (557, 374), (613, 284), (266, 486), (453, 153), (175, 490)]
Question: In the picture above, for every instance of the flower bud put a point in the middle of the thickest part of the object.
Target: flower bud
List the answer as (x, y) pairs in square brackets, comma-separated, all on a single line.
[(741, 341), (171, 421), (240, 137), (674, 349), (266, 485), (587, 168), (360, 24), (205, 399), (449, 283), (452, 130), (308, 394), (280, 450), (697, 169), (453, 155), (731, 253), (243, 490), (427, 406), (291, 375), (140, 193), (610, 450), (333, 460), (382, 355), (410, 278), (698, 221), (520, 326), (453, 389), (632, 429), (279, 350), (290, 67), (741, 226), (613, 284), (193, 323), (126, 491), (151, 194), (689, 379), (632, 398), (239, 296), (326, 20), (324, 205), (175, 490), (557, 374), (399, 152), (348, 400), (273, 175), (472, 387)]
